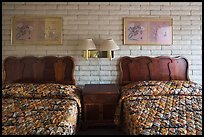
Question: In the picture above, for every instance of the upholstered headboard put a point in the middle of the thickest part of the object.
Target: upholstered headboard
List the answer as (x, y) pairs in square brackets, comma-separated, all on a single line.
[(30, 69), (153, 68)]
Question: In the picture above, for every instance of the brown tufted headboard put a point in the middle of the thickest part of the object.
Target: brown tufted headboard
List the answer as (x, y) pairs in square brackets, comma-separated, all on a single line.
[(153, 68), (47, 69)]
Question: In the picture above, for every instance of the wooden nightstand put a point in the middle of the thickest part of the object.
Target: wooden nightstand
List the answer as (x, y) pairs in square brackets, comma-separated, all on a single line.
[(99, 104)]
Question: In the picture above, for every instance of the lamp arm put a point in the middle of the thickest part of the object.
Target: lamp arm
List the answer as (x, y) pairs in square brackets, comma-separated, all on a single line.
[(87, 54), (110, 54)]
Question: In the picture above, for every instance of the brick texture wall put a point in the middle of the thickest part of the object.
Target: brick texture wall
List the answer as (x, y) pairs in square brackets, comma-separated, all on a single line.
[(102, 20)]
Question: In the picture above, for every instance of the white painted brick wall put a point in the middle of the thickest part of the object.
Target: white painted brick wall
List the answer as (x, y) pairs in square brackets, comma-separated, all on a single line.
[(101, 20)]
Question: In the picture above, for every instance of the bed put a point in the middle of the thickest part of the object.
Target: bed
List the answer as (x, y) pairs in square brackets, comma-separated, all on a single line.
[(157, 97), (39, 96)]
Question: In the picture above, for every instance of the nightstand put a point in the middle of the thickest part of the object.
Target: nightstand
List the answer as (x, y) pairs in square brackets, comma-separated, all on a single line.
[(99, 104)]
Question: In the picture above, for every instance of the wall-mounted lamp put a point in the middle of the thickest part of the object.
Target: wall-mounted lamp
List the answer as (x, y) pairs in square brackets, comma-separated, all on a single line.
[(87, 44), (109, 45)]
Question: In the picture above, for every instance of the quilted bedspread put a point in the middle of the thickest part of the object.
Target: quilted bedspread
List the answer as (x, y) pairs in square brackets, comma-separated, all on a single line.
[(40, 109), (160, 108)]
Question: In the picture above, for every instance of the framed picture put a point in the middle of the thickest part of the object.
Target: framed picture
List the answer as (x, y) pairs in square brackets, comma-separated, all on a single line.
[(36, 30), (148, 31)]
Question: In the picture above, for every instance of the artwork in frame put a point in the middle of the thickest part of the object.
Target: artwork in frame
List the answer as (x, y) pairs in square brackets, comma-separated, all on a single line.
[(36, 30), (148, 31)]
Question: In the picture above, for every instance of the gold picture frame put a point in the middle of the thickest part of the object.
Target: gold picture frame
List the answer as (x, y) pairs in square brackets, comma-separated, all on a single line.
[(148, 31), (36, 30)]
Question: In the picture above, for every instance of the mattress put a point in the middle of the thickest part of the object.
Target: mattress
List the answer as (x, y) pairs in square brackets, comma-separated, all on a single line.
[(40, 109), (160, 108)]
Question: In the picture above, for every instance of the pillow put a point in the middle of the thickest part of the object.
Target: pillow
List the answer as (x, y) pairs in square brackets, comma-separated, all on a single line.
[(34, 90), (173, 87), (138, 71), (60, 67)]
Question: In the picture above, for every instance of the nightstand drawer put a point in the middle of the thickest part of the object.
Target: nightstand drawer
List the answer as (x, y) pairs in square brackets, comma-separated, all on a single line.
[(110, 98)]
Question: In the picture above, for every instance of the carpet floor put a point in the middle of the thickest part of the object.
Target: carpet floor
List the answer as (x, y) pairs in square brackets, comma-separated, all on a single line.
[(101, 131)]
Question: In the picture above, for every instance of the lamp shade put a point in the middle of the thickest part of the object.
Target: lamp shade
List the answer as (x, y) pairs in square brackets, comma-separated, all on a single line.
[(108, 44), (87, 44)]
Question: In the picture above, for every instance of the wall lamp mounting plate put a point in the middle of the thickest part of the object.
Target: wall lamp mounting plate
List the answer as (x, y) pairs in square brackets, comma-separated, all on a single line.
[(97, 54)]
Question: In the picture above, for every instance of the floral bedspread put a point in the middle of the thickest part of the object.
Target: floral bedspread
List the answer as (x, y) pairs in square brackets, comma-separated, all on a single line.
[(160, 108), (40, 109)]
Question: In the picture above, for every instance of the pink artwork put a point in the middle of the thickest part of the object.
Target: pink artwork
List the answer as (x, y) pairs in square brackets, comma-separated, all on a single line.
[(148, 31), (137, 31), (24, 30), (36, 30), (27, 31), (160, 32)]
